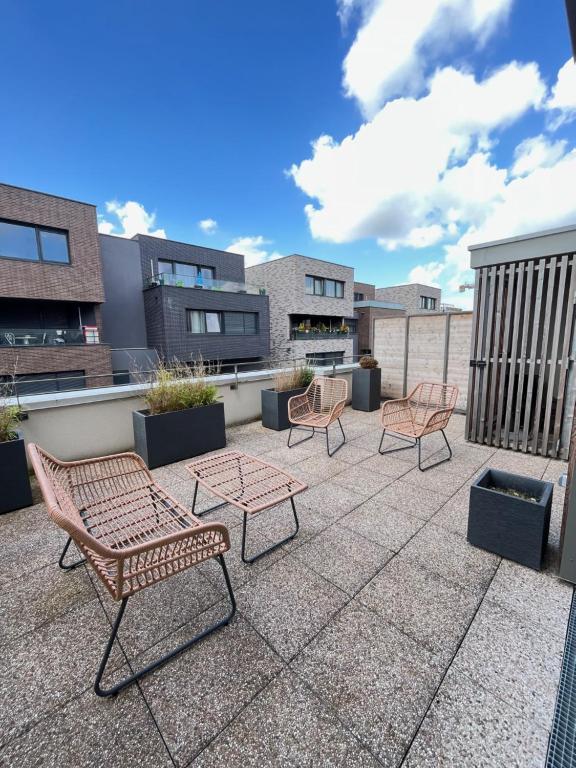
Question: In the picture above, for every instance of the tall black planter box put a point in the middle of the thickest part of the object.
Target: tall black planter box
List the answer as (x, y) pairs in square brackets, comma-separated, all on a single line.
[(509, 526), (366, 385), (275, 407), (169, 437), (15, 490)]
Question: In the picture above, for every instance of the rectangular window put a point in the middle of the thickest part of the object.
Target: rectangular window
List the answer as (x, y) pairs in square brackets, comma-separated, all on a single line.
[(229, 323), (427, 302), (358, 296), (320, 286), (164, 267), (31, 243), (189, 274)]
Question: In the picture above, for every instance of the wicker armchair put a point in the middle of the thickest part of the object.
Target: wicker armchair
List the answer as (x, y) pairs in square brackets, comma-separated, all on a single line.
[(130, 530), (427, 409), (321, 405)]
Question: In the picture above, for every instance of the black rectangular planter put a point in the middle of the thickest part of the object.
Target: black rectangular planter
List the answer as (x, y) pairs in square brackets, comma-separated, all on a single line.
[(15, 490), (512, 527), (169, 437), (275, 407), (366, 383)]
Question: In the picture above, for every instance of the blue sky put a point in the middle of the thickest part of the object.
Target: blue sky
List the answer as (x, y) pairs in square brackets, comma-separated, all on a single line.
[(197, 110)]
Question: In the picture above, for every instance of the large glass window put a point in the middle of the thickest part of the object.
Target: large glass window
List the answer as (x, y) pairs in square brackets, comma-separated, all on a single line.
[(427, 302), (320, 286), (30, 243), (229, 323), (190, 274)]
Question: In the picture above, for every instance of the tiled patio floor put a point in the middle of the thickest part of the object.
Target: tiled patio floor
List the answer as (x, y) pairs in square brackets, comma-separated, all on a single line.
[(377, 637)]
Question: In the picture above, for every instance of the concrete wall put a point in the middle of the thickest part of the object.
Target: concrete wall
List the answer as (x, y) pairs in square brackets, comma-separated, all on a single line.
[(76, 425), (434, 347), (409, 295), (123, 319), (285, 283)]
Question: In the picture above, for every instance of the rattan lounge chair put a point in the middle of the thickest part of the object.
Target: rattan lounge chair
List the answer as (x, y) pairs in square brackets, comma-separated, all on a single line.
[(130, 530), (427, 409), (321, 405)]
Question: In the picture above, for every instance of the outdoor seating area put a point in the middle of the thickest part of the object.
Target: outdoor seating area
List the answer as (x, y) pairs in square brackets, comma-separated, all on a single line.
[(355, 625)]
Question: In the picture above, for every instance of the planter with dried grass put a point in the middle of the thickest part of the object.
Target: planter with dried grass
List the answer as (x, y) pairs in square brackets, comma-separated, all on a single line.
[(287, 383)]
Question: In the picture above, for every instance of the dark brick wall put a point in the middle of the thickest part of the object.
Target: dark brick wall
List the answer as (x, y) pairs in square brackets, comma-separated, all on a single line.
[(81, 280), (227, 266), (166, 324), (367, 289), (366, 317), (93, 359)]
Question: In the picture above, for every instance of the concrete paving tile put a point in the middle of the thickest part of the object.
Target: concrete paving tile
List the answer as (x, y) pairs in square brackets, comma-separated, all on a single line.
[(49, 665), (329, 499), (422, 604), (518, 463), (41, 596), (362, 481), (194, 696), (408, 498), (30, 540), (285, 457), (466, 726), (342, 557), (431, 480), (386, 526), (354, 454), (277, 523), (452, 557), (504, 654), (378, 681), (155, 612), (88, 732), (453, 515), (389, 466), (552, 474), (289, 727), (320, 465), (542, 601), (289, 604), (183, 491)]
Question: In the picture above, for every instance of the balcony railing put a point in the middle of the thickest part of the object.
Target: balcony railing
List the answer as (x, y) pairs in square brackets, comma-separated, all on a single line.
[(205, 284), (314, 335), (47, 337)]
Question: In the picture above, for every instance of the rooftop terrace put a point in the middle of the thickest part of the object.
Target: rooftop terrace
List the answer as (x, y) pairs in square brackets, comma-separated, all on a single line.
[(378, 636)]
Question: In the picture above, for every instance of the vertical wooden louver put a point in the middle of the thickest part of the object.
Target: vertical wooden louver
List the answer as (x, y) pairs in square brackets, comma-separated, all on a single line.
[(520, 360)]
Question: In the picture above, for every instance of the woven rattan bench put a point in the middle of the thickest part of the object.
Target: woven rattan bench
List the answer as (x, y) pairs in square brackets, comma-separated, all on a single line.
[(427, 409), (130, 530), (247, 483), (316, 409)]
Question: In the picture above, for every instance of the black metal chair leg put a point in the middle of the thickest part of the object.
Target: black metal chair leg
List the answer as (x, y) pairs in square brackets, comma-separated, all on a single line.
[(339, 445), (250, 560), (69, 566), (163, 659), (204, 511), (436, 463), (303, 440), (395, 450)]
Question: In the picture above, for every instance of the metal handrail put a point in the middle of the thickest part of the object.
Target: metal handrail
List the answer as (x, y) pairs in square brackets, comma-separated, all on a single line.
[(174, 280)]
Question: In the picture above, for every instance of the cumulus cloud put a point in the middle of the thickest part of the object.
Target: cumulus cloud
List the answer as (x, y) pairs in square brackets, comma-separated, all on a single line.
[(427, 273), (393, 49), (131, 219), (562, 101), (536, 152), (253, 249), (411, 167), (208, 226)]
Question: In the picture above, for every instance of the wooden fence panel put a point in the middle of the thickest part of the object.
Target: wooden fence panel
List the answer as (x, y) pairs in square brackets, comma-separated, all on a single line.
[(459, 355), (389, 350), (425, 349)]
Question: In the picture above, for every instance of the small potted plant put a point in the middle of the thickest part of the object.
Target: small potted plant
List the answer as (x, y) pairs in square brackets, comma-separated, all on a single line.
[(510, 516), (366, 385), (287, 383), (343, 329), (182, 418), (15, 490)]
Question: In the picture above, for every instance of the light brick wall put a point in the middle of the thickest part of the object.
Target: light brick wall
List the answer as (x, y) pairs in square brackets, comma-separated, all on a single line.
[(409, 295), (285, 283)]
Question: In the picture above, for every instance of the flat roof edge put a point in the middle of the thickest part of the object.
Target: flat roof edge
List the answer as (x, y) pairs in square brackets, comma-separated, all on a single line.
[(520, 238), (47, 194)]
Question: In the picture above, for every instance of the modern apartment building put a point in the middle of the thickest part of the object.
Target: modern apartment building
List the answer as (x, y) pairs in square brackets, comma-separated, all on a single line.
[(367, 309), (414, 296), (311, 307), (51, 293), (182, 301)]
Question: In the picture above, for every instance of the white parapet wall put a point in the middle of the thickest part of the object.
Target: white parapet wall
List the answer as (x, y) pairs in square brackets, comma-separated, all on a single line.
[(97, 422)]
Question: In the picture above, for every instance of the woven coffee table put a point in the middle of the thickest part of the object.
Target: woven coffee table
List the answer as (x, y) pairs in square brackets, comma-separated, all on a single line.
[(248, 483)]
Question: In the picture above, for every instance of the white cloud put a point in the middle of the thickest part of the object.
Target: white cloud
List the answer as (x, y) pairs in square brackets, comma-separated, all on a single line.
[(133, 219), (536, 152), (392, 52), (563, 98), (209, 226), (427, 273), (253, 250), (398, 172)]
